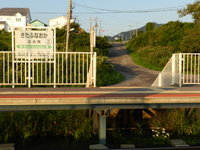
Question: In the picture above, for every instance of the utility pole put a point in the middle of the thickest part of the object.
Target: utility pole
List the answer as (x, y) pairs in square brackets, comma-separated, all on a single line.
[(69, 16), (131, 32), (99, 27), (136, 32), (93, 31)]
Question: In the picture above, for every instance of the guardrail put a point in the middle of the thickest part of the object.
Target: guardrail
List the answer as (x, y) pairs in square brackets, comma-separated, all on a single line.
[(56, 69)]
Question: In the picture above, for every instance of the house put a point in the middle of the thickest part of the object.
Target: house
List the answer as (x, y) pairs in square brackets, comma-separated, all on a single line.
[(58, 22), (15, 17), (37, 23), (3, 25)]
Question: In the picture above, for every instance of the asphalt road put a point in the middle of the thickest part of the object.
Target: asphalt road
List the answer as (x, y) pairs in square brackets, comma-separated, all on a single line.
[(135, 75)]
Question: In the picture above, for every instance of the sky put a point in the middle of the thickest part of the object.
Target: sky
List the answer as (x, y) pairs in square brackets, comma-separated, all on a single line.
[(113, 16)]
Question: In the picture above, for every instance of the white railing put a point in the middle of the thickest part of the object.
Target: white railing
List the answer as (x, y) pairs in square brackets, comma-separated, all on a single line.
[(59, 68), (190, 68), (182, 68)]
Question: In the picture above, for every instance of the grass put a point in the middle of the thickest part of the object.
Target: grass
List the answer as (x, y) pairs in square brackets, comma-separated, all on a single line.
[(192, 140), (54, 143), (145, 64)]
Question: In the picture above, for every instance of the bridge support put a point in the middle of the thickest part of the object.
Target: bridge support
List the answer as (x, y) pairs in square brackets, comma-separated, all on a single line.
[(102, 125)]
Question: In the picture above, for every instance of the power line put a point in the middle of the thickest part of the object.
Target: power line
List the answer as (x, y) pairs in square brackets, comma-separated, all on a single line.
[(108, 11), (132, 11), (113, 12)]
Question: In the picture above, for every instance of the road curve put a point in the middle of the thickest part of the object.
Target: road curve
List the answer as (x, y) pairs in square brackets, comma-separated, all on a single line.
[(135, 75)]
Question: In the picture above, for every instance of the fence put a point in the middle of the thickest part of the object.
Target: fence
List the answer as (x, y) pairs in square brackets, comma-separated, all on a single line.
[(58, 68), (182, 68)]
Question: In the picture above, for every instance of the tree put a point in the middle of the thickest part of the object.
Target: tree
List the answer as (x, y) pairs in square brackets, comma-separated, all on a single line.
[(193, 9), (150, 26)]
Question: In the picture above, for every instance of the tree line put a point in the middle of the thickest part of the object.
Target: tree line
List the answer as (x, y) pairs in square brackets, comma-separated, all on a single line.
[(154, 47)]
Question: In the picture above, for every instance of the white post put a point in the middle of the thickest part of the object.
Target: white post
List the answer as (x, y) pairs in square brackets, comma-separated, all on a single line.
[(180, 69), (13, 64), (29, 70), (160, 79), (173, 69), (54, 55), (94, 68)]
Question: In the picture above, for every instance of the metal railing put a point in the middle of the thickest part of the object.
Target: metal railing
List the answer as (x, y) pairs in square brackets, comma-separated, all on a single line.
[(182, 68), (58, 68)]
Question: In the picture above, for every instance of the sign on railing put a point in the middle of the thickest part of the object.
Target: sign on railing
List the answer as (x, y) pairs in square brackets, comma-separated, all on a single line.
[(40, 42), (67, 68), (34, 61)]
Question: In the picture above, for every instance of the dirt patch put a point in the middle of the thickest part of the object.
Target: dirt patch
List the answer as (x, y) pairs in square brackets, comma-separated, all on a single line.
[(135, 75)]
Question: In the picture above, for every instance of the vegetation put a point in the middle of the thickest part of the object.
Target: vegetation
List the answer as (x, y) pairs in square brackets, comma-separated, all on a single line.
[(42, 126), (153, 48), (193, 9), (5, 41), (180, 123)]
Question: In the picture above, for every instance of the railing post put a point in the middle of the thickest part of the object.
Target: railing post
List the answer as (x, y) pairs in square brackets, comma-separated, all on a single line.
[(173, 69), (54, 53), (13, 58), (13, 70), (160, 79), (180, 69), (29, 70), (94, 68)]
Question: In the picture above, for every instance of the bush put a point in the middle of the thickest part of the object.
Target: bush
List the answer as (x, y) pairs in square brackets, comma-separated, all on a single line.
[(155, 47), (105, 73)]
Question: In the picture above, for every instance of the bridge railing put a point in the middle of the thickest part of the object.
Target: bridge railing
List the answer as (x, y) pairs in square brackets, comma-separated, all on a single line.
[(56, 69), (182, 68)]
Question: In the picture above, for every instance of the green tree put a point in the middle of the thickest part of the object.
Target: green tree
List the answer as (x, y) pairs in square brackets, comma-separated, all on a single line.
[(193, 9), (150, 26)]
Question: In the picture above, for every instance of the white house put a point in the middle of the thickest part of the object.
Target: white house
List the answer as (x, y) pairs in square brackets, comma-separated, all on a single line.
[(3, 25), (58, 22), (15, 17)]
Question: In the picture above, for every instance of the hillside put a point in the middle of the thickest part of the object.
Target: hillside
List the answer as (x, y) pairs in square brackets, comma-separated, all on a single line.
[(153, 49), (127, 35)]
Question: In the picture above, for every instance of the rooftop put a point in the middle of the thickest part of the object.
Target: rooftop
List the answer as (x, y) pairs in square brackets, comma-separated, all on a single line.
[(13, 11)]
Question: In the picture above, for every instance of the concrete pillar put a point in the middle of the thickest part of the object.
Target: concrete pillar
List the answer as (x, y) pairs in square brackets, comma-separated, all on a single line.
[(95, 122), (102, 129), (102, 125)]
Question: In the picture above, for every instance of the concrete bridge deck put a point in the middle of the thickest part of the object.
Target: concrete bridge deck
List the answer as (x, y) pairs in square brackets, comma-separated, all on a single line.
[(98, 98)]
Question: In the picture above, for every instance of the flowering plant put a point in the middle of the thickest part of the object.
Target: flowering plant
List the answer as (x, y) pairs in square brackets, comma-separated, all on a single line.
[(160, 133)]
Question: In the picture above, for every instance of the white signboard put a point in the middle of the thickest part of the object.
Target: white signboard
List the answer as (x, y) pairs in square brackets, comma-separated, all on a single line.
[(36, 43)]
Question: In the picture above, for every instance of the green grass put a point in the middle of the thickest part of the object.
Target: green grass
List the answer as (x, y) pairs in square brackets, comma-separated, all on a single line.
[(135, 57), (192, 140)]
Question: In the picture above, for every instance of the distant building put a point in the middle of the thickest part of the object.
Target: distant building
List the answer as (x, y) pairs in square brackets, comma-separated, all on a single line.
[(58, 22), (3, 25), (15, 17), (37, 23)]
